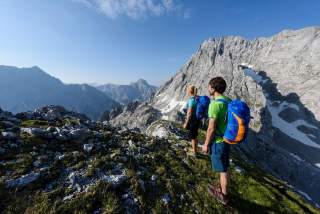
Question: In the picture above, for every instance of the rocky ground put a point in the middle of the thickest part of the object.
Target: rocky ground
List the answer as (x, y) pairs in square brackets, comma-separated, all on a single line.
[(56, 161)]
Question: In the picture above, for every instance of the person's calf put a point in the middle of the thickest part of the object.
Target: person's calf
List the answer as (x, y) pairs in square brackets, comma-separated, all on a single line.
[(224, 183), (194, 143)]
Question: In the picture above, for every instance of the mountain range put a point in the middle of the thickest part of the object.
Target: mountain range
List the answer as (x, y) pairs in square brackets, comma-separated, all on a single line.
[(23, 89), (124, 94)]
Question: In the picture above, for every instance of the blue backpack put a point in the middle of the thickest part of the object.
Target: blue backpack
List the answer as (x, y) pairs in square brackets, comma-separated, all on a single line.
[(238, 119), (203, 103)]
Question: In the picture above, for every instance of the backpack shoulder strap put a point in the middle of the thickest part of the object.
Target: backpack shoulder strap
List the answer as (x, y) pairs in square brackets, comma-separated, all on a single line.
[(222, 101)]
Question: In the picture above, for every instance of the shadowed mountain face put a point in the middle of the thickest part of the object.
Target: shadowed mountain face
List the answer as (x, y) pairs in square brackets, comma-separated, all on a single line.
[(23, 89), (124, 94), (279, 79)]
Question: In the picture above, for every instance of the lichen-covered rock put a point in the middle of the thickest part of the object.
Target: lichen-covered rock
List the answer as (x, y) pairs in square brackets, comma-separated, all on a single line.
[(37, 132), (53, 112), (79, 134), (88, 147), (8, 135)]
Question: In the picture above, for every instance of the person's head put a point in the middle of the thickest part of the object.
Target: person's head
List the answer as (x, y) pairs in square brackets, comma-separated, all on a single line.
[(217, 86), (192, 90)]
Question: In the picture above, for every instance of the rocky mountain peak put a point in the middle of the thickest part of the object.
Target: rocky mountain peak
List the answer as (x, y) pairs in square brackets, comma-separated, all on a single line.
[(141, 82)]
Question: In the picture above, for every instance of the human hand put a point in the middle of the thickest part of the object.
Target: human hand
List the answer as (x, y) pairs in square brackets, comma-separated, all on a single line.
[(205, 148)]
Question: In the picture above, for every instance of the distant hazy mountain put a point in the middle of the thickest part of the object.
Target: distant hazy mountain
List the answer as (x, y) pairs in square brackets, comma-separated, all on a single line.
[(124, 94), (23, 89)]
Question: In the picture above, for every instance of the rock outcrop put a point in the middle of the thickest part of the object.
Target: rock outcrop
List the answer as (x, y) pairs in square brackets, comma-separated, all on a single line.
[(166, 130)]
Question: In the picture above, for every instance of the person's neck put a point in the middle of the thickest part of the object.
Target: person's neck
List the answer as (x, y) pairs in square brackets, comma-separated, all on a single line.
[(216, 94)]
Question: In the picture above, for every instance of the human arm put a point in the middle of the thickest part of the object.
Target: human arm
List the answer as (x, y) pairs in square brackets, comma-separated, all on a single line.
[(213, 113), (209, 134), (188, 118)]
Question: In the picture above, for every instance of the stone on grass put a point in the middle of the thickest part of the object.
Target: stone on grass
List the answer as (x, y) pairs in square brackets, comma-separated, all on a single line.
[(154, 177), (115, 180), (9, 135), (166, 199), (23, 180), (88, 147)]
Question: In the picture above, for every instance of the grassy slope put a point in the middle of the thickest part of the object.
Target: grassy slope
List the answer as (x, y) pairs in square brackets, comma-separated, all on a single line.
[(183, 178)]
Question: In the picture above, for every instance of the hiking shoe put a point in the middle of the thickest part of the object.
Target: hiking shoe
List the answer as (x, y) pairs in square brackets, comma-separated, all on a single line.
[(215, 191)]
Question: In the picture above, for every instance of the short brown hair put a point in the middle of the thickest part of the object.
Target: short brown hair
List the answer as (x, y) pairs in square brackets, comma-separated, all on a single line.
[(218, 84)]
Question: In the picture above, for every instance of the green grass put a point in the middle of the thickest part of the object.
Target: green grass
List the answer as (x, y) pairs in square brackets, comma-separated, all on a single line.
[(35, 123)]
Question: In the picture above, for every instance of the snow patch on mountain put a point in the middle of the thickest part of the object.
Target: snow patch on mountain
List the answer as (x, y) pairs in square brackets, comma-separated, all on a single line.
[(172, 104), (296, 156), (291, 129)]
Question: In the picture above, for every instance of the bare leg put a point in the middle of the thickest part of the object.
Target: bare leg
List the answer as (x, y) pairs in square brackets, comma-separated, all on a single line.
[(224, 182), (194, 145)]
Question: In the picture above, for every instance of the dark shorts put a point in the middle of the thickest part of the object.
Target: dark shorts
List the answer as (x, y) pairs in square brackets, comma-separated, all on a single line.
[(193, 129), (220, 156)]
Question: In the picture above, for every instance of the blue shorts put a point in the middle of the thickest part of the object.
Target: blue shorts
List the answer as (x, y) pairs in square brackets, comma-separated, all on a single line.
[(220, 160)]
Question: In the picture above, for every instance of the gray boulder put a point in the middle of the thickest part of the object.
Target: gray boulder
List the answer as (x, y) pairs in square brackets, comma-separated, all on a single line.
[(7, 124), (167, 130), (37, 132), (7, 135), (87, 147), (23, 180), (79, 134), (53, 112)]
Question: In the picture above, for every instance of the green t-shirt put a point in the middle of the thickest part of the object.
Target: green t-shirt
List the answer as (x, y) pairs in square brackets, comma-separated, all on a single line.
[(219, 111)]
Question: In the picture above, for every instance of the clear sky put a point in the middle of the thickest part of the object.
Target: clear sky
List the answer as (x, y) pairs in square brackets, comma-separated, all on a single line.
[(120, 41)]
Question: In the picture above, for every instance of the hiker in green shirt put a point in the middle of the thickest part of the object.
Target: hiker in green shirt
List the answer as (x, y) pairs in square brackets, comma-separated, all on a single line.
[(219, 150)]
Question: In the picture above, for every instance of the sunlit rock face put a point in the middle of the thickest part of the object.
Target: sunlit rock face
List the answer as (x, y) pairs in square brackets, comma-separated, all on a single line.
[(279, 78)]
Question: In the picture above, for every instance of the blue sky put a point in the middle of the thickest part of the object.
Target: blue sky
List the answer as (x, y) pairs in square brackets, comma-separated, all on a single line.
[(120, 41)]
